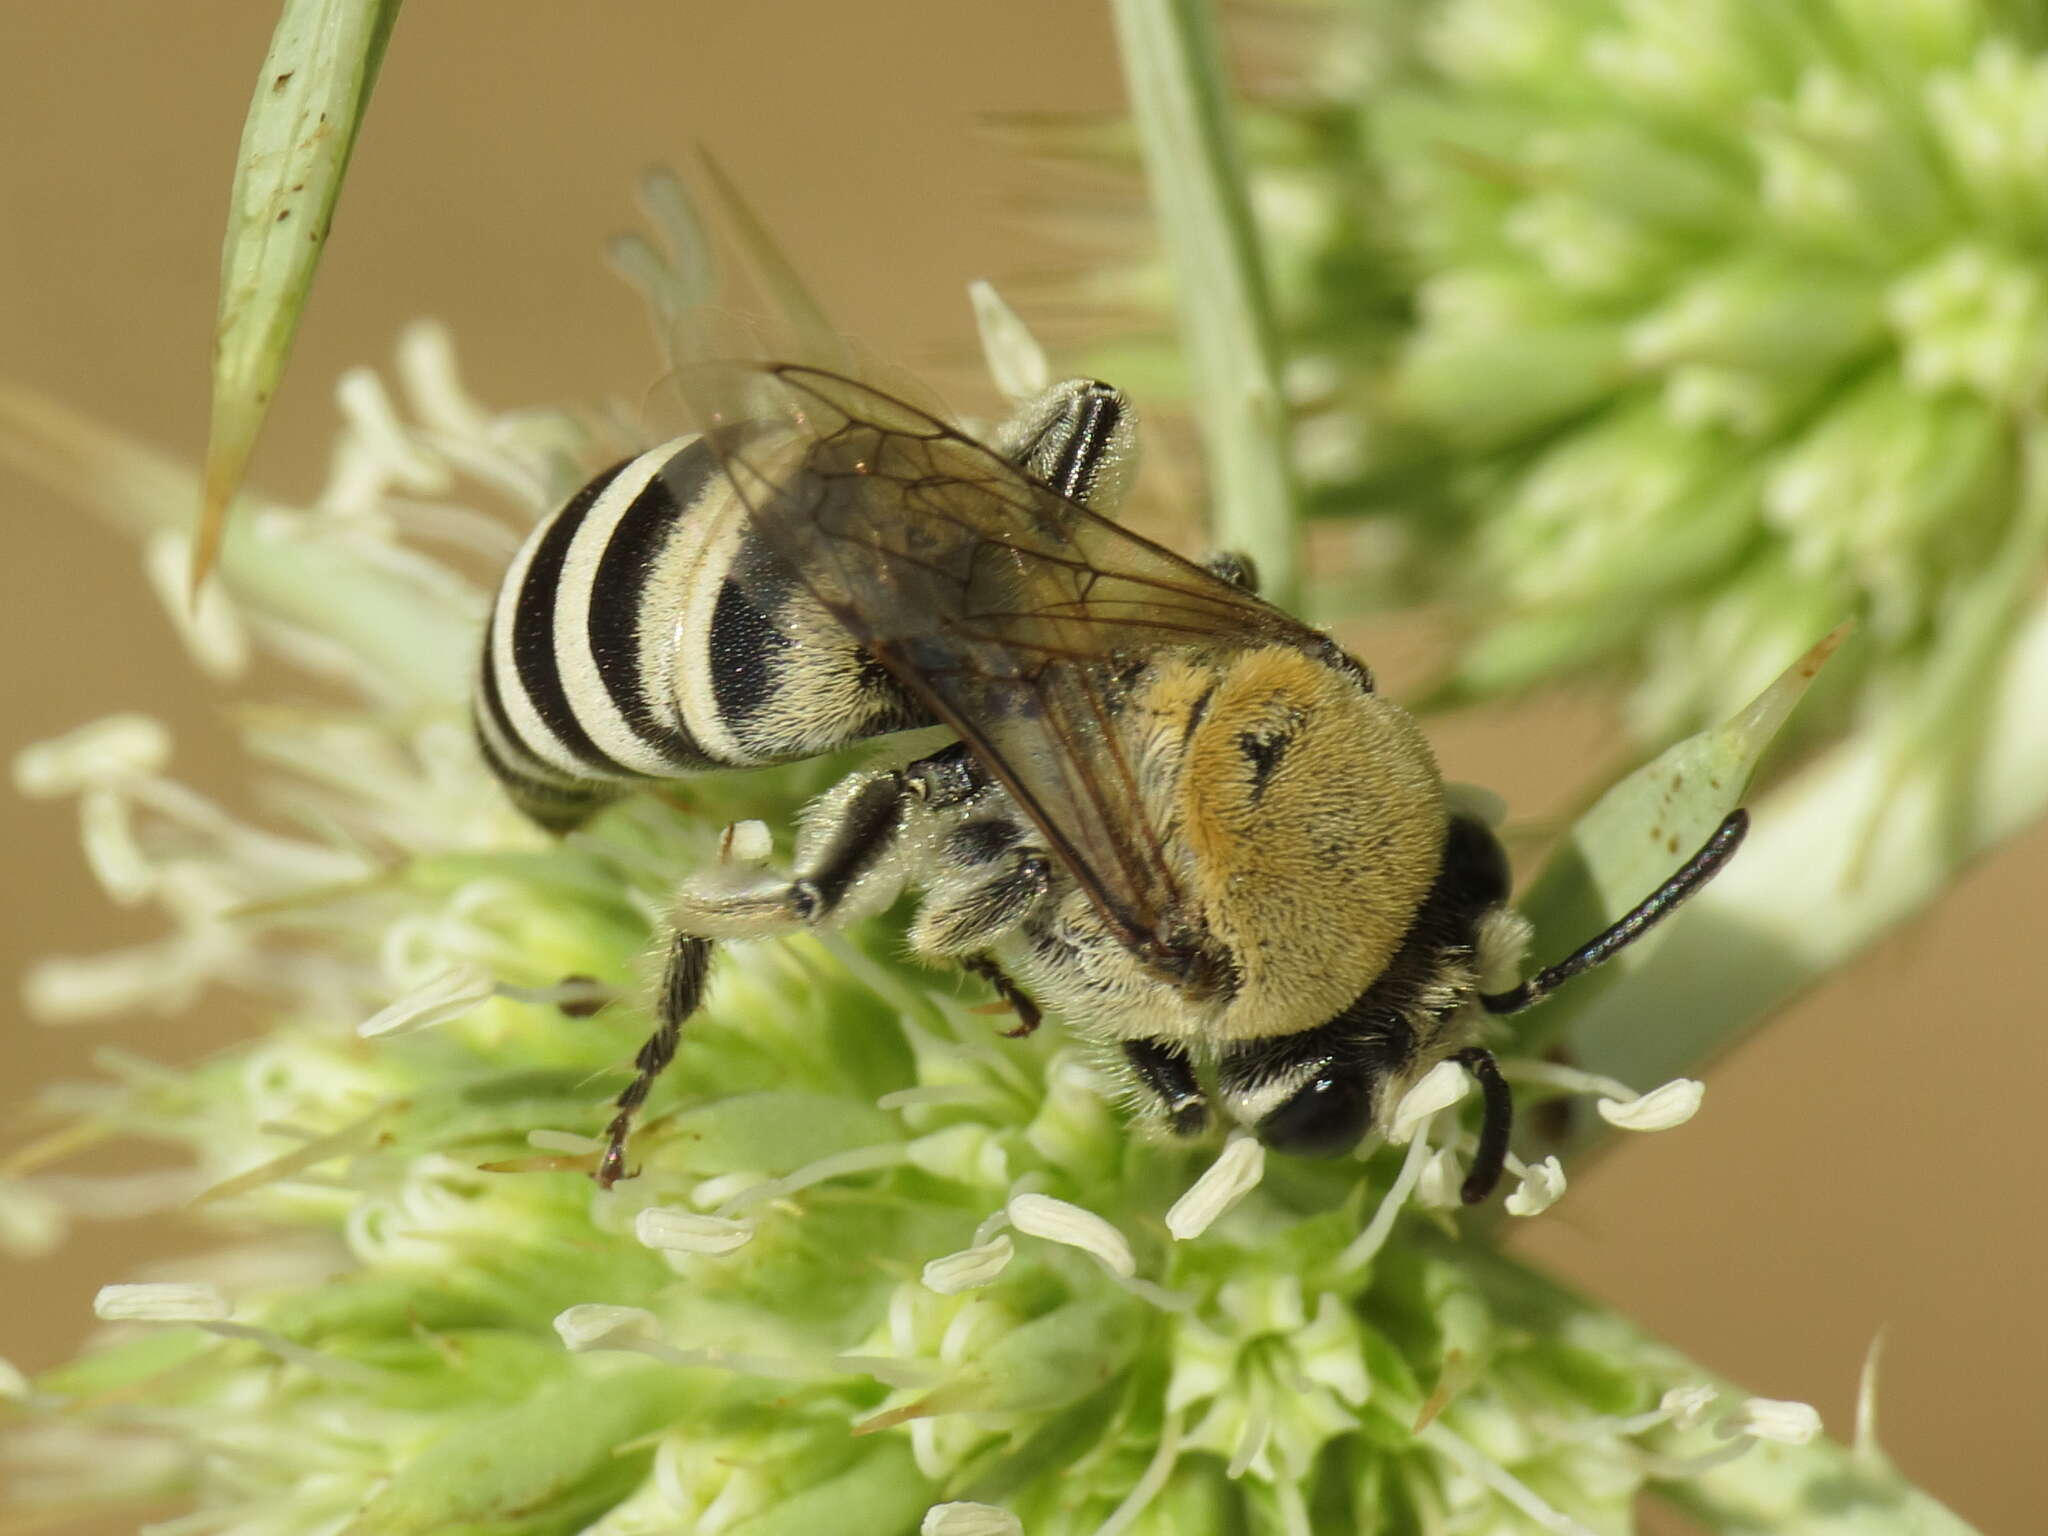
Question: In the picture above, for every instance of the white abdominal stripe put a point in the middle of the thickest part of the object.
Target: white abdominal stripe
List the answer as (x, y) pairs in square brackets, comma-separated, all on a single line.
[(645, 631), (563, 703)]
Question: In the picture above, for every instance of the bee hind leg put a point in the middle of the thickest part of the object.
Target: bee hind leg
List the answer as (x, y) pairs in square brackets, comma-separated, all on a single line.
[(949, 777), (845, 859), (845, 868), (682, 989), (846, 856)]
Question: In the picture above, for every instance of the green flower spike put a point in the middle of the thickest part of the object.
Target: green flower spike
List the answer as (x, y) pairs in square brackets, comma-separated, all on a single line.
[(883, 1270)]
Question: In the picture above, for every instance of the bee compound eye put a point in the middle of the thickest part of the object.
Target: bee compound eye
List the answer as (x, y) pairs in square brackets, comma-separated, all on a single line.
[(1324, 1117)]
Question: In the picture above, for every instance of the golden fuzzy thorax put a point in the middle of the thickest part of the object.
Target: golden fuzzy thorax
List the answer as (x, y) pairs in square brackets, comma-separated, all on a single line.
[(1314, 821)]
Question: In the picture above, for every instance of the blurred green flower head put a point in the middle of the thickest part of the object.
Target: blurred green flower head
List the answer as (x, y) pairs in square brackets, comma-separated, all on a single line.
[(1731, 317)]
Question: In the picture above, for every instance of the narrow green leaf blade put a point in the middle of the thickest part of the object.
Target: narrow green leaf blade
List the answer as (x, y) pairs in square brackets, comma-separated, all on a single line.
[(1840, 854), (309, 103), (763, 256), (1642, 830)]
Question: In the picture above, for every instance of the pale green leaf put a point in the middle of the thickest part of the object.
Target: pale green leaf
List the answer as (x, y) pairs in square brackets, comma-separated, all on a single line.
[(1639, 832), (309, 103), (1840, 854)]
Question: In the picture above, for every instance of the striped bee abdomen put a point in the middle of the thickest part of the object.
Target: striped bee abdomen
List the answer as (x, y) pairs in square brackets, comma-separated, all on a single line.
[(645, 632)]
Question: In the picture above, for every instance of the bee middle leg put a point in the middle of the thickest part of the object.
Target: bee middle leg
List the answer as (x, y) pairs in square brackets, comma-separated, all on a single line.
[(987, 895), (967, 910), (1029, 1015), (1235, 567)]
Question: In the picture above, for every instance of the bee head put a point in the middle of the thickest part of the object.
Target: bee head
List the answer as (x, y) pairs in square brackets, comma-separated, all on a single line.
[(1315, 1093), (1326, 1115)]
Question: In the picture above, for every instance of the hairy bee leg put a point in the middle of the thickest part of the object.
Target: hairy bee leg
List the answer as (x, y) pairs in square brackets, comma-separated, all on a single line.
[(966, 918), (1169, 1072), (842, 871), (1235, 567), (682, 989), (1029, 1015), (862, 836), (1079, 438), (950, 776)]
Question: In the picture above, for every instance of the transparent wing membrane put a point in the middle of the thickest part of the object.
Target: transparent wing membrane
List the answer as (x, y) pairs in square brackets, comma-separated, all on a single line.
[(1019, 617)]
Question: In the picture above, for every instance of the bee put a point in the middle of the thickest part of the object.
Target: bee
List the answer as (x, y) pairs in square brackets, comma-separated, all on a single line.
[(1169, 813)]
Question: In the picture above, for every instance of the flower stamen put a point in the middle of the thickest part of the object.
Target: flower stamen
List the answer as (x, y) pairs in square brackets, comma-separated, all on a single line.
[(1235, 1174)]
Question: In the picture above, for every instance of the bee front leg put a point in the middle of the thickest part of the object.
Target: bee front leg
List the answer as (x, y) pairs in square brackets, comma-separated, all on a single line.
[(1168, 1073)]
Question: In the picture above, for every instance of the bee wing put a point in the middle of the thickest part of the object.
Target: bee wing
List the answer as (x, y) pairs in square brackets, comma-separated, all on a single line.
[(1015, 614), (720, 287)]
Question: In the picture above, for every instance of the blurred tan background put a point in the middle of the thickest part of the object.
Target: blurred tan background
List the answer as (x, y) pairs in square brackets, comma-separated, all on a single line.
[(1872, 1162)]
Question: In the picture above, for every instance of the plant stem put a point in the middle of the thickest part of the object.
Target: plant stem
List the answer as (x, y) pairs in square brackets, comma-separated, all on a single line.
[(1173, 67)]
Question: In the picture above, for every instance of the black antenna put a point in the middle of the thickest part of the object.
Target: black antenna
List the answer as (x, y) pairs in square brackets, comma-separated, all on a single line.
[(1495, 1124), (1658, 905), (1498, 1113)]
